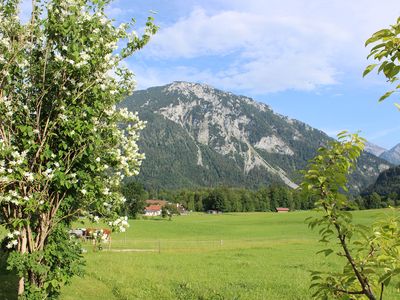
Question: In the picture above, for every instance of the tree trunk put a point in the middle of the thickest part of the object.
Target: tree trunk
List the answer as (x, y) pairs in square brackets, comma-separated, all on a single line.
[(22, 250)]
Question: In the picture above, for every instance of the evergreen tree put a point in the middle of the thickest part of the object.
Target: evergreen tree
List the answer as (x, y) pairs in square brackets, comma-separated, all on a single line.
[(135, 198)]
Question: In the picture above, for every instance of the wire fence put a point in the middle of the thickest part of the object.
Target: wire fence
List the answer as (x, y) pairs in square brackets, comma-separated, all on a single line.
[(170, 245), (162, 245)]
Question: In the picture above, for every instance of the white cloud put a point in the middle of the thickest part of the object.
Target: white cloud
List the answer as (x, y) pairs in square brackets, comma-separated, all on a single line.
[(270, 54), (117, 10), (261, 46), (202, 34), (270, 46), (149, 76)]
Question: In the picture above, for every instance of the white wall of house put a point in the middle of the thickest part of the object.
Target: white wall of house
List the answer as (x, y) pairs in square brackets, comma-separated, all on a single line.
[(152, 213)]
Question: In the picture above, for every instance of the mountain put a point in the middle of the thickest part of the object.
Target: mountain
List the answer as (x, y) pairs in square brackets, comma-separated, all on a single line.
[(197, 135), (388, 182), (392, 155), (374, 149)]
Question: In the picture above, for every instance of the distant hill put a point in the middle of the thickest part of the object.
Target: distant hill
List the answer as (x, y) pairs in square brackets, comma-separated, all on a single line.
[(387, 182), (197, 135)]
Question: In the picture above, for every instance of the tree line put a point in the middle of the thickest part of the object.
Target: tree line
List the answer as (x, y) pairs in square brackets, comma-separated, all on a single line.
[(224, 199), (230, 199), (375, 200)]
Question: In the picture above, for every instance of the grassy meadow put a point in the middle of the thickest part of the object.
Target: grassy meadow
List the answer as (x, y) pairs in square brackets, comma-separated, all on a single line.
[(200, 256)]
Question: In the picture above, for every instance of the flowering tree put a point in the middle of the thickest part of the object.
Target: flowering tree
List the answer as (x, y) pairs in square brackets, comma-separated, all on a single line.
[(64, 146)]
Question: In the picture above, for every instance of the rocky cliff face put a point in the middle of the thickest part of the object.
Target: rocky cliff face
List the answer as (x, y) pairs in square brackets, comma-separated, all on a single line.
[(199, 136), (392, 155), (374, 149)]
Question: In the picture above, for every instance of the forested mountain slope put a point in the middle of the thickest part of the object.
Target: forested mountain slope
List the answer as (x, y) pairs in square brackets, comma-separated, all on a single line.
[(388, 182), (197, 135)]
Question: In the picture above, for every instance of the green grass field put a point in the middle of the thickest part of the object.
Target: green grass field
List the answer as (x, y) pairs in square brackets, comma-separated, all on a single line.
[(230, 256)]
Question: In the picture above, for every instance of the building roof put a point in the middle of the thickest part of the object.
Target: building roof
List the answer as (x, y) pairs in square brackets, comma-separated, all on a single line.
[(156, 202), (153, 208), (282, 209)]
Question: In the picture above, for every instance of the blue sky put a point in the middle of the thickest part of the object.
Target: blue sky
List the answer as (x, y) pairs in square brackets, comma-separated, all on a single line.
[(304, 58)]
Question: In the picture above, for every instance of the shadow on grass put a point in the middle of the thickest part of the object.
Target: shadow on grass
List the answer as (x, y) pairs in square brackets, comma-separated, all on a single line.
[(8, 280)]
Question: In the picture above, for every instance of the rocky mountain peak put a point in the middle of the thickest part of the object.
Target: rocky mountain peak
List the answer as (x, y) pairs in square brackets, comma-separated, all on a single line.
[(392, 155), (374, 149), (190, 90), (207, 93), (225, 138)]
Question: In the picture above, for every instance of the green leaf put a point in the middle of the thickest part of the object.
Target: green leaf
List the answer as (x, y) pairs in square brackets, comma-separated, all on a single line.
[(382, 66), (369, 69), (385, 278), (386, 95), (379, 35), (372, 39), (394, 71), (377, 47), (328, 252)]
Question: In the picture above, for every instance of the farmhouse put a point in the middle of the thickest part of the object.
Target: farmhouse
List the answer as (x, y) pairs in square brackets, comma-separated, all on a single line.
[(152, 210), (282, 209), (180, 209)]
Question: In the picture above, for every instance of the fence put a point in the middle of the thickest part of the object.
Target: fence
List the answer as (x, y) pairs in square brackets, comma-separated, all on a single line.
[(162, 245), (169, 245)]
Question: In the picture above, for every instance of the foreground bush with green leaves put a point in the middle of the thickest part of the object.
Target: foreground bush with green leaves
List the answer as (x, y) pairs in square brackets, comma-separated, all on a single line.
[(371, 253)]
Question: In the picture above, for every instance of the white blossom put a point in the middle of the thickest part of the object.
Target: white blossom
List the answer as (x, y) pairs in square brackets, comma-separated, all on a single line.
[(49, 173), (29, 176), (106, 191), (58, 56), (63, 117)]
